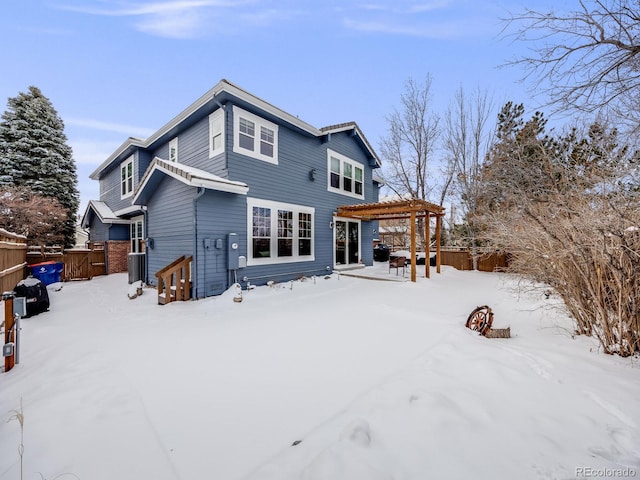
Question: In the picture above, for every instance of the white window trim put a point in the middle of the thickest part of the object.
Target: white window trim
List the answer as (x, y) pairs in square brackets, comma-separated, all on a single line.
[(135, 221), (216, 125), (173, 144), (343, 159), (123, 165), (348, 220), (259, 122), (275, 206)]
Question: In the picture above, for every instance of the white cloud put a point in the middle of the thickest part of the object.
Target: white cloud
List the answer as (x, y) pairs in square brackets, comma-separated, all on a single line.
[(405, 7), (92, 152), (438, 19), (128, 130), (153, 8), (184, 24), (189, 18), (439, 30)]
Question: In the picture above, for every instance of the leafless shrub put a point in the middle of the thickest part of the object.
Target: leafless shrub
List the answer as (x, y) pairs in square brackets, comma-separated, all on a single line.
[(568, 212), (591, 258)]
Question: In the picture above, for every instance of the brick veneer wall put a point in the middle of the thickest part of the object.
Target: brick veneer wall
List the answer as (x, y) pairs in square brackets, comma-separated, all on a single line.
[(117, 251)]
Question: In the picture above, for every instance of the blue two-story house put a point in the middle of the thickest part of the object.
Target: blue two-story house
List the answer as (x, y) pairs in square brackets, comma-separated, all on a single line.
[(246, 190)]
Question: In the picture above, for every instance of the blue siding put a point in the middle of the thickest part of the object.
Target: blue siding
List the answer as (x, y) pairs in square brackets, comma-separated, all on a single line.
[(98, 231), (110, 181), (218, 215), (169, 224), (118, 231), (193, 149), (179, 218), (143, 162), (101, 232), (289, 182)]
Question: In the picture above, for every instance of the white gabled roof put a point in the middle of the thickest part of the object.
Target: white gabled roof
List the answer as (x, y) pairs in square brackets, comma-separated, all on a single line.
[(232, 89), (103, 212), (352, 126), (188, 175)]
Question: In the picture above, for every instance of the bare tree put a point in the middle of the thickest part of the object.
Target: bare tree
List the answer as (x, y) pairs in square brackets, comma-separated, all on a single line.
[(38, 218), (407, 149), (587, 59), (466, 138)]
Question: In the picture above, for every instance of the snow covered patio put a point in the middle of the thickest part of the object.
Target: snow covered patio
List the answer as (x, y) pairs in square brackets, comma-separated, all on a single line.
[(373, 380)]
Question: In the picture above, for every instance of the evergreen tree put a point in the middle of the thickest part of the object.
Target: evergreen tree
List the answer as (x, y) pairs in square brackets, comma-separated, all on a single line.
[(34, 154)]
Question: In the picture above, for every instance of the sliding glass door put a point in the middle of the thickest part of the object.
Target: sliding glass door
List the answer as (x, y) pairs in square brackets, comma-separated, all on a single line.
[(347, 242)]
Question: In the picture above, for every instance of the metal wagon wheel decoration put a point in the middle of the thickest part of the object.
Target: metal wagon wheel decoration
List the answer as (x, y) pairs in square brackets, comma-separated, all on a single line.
[(480, 319)]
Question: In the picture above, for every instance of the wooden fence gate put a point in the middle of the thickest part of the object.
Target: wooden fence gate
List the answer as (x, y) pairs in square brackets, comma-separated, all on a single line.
[(13, 259), (79, 263)]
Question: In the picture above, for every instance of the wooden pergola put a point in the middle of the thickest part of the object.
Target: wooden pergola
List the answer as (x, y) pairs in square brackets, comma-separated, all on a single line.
[(407, 209)]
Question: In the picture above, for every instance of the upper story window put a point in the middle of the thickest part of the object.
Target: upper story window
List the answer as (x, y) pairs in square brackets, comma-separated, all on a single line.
[(345, 175), (254, 136), (216, 133), (126, 178), (173, 150), (279, 232)]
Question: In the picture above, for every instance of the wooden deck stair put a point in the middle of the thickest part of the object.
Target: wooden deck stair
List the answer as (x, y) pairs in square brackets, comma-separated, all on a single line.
[(174, 281)]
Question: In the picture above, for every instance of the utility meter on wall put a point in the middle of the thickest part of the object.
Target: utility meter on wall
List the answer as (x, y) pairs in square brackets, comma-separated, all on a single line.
[(233, 252)]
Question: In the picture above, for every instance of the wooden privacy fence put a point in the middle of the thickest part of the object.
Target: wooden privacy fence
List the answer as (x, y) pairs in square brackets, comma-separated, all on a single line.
[(13, 259), (487, 262), (458, 259), (493, 262), (79, 263)]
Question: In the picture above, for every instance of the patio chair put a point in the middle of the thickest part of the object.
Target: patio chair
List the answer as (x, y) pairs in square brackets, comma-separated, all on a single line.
[(397, 263)]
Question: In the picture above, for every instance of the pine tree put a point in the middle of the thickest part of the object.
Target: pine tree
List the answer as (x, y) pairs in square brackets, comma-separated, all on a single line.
[(34, 154)]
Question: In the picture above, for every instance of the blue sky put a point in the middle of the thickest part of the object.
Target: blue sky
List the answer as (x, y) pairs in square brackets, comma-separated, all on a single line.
[(120, 68)]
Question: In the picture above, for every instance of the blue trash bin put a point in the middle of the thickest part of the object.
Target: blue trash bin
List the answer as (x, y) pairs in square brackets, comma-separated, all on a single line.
[(45, 272)]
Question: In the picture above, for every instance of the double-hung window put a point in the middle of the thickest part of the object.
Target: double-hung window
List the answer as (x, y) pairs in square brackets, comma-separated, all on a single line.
[(345, 175), (261, 232), (279, 232), (126, 178), (254, 136), (246, 134), (304, 233), (267, 141), (216, 133), (285, 233)]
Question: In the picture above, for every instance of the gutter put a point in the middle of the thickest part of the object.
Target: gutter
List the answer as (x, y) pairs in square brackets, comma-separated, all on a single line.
[(194, 264)]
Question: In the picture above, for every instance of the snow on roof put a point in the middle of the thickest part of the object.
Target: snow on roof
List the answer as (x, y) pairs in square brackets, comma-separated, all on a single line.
[(188, 175), (102, 210)]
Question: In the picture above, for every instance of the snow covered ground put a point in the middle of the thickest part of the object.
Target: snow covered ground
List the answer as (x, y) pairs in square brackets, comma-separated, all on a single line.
[(372, 380)]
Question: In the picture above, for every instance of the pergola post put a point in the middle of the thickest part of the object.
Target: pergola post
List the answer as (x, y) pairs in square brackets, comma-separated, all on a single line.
[(438, 230), (402, 209), (413, 246), (427, 246)]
